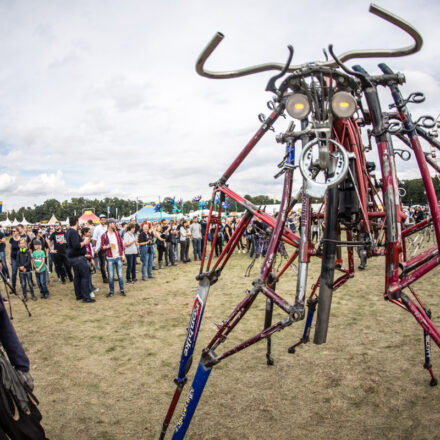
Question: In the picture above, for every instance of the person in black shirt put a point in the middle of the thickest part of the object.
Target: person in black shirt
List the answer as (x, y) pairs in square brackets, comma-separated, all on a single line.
[(76, 251), (39, 236), (203, 226), (5, 270), (13, 251), (62, 265), (227, 231), (219, 240), (146, 250), (419, 215), (160, 244), (170, 238)]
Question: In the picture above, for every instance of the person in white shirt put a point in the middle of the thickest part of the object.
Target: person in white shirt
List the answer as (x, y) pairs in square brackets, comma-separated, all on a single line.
[(96, 240), (130, 243), (112, 245)]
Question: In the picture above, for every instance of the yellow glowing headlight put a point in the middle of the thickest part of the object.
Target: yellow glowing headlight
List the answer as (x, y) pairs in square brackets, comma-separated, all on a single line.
[(298, 106), (343, 104)]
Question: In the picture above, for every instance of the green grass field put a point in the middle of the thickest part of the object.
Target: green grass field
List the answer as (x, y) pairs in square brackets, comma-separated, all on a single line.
[(105, 371)]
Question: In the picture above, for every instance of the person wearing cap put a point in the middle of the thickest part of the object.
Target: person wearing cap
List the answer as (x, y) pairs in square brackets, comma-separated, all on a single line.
[(112, 245), (96, 240), (39, 264)]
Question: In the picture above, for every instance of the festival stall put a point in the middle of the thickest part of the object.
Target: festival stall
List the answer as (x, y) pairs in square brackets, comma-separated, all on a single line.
[(88, 215), (150, 213)]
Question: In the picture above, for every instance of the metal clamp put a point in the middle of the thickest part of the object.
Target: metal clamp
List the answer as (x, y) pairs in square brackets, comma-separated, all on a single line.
[(307, 166)]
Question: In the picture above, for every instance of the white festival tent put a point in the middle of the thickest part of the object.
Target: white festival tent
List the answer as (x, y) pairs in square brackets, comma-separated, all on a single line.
[(15, 223), (52, 221), (24, 222), (6, 223)]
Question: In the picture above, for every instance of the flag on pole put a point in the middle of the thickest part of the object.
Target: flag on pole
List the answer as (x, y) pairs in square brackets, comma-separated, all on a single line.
[(1, 207)]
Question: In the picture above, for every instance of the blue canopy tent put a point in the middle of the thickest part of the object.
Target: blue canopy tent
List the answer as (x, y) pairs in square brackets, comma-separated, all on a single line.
[(148, 212)]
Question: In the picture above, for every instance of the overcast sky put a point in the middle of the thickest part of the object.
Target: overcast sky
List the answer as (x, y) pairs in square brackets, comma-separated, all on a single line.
[(101, 98)]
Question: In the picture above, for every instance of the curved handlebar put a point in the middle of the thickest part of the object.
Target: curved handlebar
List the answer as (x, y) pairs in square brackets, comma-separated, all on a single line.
[(370, 53)]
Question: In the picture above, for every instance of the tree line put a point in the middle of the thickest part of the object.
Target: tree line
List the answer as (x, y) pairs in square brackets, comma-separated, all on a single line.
[(76, 206), (414, 194), (115, 207), (415, 191)]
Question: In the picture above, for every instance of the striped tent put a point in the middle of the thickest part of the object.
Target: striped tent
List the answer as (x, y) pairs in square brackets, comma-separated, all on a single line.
[(88, 215)]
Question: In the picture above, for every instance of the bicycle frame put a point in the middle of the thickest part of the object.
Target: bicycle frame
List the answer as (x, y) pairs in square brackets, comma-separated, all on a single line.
[(363, 226)]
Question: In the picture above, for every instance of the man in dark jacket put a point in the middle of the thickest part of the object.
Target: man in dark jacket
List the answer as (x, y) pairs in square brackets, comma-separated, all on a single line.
[(76, 251), (12, 345), (22, 421)]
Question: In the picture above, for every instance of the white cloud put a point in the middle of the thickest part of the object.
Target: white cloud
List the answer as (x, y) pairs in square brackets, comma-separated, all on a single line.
[(42, 184), (102, 99), (6, 182)]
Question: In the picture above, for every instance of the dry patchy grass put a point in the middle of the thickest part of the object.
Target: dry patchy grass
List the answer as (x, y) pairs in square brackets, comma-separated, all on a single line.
[(104, 371)]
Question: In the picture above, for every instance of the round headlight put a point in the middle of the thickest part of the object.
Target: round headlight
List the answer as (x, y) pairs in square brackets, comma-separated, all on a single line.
[(298, 106), (343, 104)]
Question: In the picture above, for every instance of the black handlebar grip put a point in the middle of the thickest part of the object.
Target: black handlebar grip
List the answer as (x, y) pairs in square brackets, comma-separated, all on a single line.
[(385, 69), (360, 69)]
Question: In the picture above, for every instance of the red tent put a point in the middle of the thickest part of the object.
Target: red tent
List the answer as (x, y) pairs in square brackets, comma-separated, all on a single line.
[(88, 215)]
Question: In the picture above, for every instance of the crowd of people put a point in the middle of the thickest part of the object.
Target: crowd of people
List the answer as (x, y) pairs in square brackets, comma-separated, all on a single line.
[(77, 252)]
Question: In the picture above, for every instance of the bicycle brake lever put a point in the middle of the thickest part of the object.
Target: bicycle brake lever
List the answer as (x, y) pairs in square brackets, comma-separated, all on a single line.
[(394, 127), (426, 121), (416, 98), (271, 87), (405, 155)]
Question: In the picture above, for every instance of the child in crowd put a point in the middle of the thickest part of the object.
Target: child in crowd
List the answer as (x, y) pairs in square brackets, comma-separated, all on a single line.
[(39, 263), (24, 264)]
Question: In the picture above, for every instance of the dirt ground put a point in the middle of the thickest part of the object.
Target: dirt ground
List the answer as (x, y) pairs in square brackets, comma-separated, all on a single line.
[(105, 371)]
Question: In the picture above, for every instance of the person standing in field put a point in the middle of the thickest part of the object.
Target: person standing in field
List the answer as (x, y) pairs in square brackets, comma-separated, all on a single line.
[(14, 246), (227, 230), (112, 245), (146, 250), (160, 243), (39, 263), (4, 269), (91, 226), (184, 238), (62, 264), (96, 240), (24, 263), (76, 251), (196, 234), (85, 233), (130, 243), (219, 240)]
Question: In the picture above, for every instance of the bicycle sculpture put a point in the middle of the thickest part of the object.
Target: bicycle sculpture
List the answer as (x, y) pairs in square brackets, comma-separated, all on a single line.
[(259, 240), (360, 212)]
